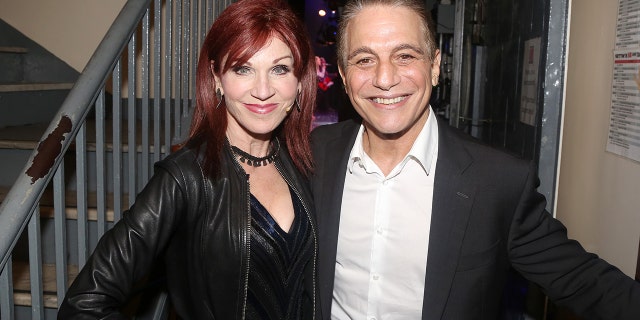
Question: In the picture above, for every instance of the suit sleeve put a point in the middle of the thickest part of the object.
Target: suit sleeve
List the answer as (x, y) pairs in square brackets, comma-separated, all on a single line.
[(540, 250), (126, 253)]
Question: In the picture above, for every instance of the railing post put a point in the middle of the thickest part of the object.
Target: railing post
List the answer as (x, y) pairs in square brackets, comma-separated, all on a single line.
[(6, 292), (35, 266), (60, 225)]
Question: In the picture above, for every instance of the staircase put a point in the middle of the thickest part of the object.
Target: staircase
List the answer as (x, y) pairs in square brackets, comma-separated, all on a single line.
[(33, 85), (20, 265), (75, 153), (30, 96)]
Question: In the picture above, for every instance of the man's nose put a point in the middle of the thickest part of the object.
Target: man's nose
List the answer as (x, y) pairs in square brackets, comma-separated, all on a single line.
[(386, 76)]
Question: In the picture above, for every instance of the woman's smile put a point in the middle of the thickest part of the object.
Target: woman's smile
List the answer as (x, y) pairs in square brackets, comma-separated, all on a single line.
[(261, 108)]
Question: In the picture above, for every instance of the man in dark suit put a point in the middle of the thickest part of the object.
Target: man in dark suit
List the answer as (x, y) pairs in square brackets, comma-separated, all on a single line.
[(416, 220)]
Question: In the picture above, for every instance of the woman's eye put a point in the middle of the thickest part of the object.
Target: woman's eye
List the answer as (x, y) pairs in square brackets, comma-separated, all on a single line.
[(240, 70), (281, 69)]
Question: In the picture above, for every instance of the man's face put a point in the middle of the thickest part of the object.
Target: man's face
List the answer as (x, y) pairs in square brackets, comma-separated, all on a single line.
[(389, 74)]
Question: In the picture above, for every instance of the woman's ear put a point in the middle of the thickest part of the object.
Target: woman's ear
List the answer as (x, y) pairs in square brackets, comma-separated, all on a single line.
[(216, 80)]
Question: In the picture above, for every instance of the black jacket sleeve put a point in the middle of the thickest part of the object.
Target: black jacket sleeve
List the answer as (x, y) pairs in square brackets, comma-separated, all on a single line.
[(126, 253), (540, 250)]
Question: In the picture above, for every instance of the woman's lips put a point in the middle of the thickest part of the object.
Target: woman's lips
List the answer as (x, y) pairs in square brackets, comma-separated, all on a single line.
[(261, 108)]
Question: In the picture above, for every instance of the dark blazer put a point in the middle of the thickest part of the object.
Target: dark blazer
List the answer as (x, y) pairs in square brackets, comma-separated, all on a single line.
[(486, 217)]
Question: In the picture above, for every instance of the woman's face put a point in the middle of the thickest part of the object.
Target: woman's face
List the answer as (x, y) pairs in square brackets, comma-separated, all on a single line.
[(260, 93)]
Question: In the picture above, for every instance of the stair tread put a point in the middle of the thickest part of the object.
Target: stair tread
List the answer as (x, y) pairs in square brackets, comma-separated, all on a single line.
[(26, 137), (21, 277), (22, 284), (20, 134), (44, 86), (46, 203), (11, 49)]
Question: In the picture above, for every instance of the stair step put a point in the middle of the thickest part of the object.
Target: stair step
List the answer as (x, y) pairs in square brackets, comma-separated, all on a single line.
[(6, 49), (71, 211), (12, 60), (26, 137), (22, 284), (21, 275), (18, 87)]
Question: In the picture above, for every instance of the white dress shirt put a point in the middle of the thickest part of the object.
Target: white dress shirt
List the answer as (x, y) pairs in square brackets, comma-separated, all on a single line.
[(384, 233)]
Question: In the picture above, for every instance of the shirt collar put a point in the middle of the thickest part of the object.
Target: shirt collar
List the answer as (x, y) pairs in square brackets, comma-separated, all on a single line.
[(423, 151)]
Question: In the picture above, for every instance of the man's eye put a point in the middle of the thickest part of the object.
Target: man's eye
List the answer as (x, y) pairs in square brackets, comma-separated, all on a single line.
[(364, 62), (281, 69), (404, 59), (240, 70)]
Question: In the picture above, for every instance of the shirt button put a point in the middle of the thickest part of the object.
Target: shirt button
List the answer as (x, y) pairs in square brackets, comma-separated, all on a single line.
[(376, 277), (379, 231)]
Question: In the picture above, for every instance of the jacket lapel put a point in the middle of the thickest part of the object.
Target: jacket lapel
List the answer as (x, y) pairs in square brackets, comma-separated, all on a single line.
[(452, 200), (328, 197)]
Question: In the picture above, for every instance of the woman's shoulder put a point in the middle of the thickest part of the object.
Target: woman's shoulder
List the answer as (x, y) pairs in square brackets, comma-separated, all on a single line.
[(184, 160)]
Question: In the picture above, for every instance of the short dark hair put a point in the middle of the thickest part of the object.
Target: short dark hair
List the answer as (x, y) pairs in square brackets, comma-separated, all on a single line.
[(353, 7)]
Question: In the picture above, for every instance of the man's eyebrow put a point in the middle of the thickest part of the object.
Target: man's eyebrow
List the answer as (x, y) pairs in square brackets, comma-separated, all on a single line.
[(406, 46), (360, 51)]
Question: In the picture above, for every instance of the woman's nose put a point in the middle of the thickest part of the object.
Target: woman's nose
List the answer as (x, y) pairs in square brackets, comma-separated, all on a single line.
[(262, 88)]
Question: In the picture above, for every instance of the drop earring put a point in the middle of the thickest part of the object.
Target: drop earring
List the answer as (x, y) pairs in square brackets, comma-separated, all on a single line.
[(297, 103), (219, 96)]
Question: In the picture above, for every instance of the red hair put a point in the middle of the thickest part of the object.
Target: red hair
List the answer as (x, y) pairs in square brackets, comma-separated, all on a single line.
[(240, 31)]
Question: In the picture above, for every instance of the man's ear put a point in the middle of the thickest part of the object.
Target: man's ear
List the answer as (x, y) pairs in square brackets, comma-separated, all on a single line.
[(344, 81), (435, 68)]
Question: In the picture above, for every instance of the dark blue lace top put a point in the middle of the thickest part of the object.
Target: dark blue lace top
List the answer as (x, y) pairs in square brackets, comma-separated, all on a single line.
[(277, 263)]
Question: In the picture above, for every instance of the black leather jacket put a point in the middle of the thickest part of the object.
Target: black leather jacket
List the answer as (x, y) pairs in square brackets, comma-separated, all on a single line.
[(198, 227)]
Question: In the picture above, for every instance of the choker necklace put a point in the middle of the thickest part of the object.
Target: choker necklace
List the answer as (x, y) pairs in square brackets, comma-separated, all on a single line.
[(258, 161)]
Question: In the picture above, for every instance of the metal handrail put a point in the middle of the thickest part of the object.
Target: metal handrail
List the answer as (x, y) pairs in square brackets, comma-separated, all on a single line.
[(24, 195), (186, 23)]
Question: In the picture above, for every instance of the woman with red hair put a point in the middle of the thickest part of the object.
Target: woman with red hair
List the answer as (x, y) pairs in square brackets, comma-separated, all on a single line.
[(228, 216)]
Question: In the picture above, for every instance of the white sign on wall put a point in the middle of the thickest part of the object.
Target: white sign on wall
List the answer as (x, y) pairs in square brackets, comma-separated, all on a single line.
[(529, 94), (624, 122)]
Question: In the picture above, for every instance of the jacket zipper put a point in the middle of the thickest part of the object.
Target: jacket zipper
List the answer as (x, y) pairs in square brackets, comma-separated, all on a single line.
[(313, 230), (247, 244), (247, 233)]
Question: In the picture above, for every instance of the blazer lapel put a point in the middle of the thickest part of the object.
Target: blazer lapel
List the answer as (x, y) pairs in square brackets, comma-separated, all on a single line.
[(452, 200), (328, 189)]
